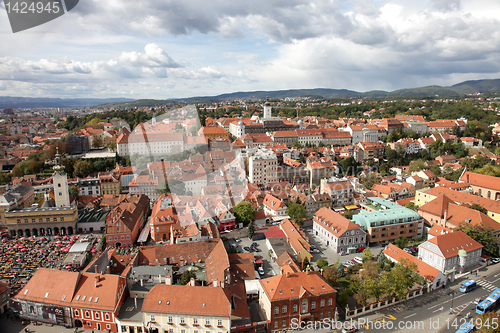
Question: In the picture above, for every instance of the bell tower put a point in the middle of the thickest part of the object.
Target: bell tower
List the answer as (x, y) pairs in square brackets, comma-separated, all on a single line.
[(60, 181), (267, 108)]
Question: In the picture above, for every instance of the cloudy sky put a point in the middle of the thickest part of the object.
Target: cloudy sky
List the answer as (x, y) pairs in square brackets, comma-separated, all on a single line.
[(183, 48)]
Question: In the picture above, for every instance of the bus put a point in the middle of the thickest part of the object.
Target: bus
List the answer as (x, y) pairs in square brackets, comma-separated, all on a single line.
[(489, 303), (468, 286), (466, 328)]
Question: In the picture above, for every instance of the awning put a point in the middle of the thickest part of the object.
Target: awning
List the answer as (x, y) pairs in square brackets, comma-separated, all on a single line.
[(338, 209), (351, 248), (351, 207)]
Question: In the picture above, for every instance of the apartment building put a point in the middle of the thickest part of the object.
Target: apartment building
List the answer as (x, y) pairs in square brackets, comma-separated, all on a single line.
[(263, 167), (386, 221)]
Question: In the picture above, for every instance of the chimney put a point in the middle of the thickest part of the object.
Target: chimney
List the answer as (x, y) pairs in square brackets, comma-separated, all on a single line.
[(135, 301), (445, 216), (108, 270), (308, 270), (215, 283), (142, 283), (192, 282), (159, 278), (96, 270), (322, 272), (287, 274), (168, 280)]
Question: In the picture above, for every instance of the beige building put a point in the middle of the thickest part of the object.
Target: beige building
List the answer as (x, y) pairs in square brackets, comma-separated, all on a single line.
[(263, 167), (187, 309), (55, 214)]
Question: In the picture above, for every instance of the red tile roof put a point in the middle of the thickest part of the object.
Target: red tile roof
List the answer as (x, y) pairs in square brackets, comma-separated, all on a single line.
[(451, 243), (423, 269), (187, 300)]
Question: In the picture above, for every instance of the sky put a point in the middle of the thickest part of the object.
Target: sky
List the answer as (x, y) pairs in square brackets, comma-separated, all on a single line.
[(174, 49)]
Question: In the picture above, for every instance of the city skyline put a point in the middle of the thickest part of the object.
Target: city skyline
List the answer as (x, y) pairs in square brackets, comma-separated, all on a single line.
[(185, 49)]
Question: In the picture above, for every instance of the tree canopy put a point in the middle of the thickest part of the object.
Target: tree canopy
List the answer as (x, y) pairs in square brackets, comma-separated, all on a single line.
[(297, 212), (244, 212), (482, 235)]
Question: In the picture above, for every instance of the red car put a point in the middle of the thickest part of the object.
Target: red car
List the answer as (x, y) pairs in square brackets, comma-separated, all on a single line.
[(360, 249)]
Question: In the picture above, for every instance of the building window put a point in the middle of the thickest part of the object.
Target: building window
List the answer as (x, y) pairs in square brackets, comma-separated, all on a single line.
[(97, 315), (183, 320), (89, 324), (283, 324), (275, 324), (106, 316), (108, 326), (330, 302), (62, 219), (322, 303), (77, 313), (313, 305), (195, 321), (207, 321), (219, 322), (276, 310), (87, 314), (171, 319), (153, 318), (284, 309), (170, 330), (295, 308)]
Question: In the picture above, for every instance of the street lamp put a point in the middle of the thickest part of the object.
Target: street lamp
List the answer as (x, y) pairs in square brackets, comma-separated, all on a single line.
[(452, 294)]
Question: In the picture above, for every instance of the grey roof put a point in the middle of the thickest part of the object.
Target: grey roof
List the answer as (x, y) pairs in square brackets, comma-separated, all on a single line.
[(16, 193)]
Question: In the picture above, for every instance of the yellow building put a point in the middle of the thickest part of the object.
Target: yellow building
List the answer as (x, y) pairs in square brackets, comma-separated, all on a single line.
[(55, 215), (425, 196), (187, 309), (109, 184)]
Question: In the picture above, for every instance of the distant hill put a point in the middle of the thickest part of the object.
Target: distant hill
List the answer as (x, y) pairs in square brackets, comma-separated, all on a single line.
[(456, 90), (7, 102)]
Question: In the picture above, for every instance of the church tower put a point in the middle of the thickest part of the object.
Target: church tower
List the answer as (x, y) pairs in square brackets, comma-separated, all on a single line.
[(267, 109), (60, 181)]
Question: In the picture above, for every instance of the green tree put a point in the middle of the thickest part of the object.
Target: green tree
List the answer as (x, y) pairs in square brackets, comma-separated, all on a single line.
[(244, 212), (411, 205), (331, 274), (17, 172), (74, 191), (478, 207), (296, 212), (341, 270), (321, 263), (401, 242), (483, 235), (82, 168), (186, 277), (402, 278), (377, 286), (348, 214), (367, 255), (250, 230), (305, 263)]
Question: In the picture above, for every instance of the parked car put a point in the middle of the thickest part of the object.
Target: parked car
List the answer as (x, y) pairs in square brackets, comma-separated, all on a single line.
[(360, 249), (414, 248), (477, 300), (261, 270), (358, 260), (495, 260), (246, 248), (237, 240), (254, 244)]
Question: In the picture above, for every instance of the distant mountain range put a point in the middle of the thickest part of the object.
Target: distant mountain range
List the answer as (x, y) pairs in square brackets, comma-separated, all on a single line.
[(456, 90), (7, 102)]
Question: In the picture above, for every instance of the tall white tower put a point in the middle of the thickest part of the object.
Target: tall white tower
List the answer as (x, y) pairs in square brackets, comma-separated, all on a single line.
[(60, 181), (267, 109), (240, 130)]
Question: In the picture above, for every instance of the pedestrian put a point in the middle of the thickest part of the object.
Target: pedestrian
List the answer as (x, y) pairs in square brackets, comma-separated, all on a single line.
[(442, 308), (451, 310), (467, 315)]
